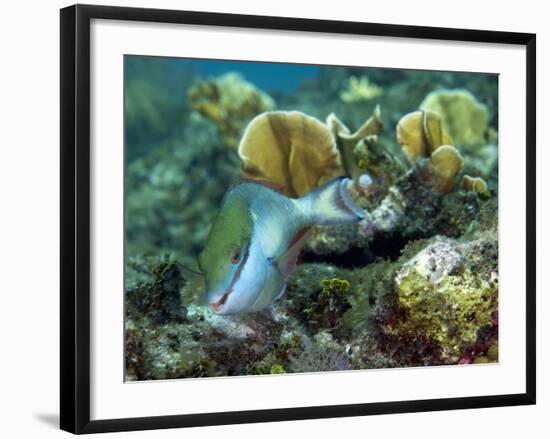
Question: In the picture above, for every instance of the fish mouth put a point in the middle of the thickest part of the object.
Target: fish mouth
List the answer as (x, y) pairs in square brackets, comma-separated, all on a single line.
[(218, 304)]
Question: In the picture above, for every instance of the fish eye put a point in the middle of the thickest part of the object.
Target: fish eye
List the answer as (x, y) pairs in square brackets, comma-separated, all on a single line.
[(235, 255)]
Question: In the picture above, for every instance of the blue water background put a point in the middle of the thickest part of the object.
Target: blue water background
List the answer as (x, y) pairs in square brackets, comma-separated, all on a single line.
[(284, 78)]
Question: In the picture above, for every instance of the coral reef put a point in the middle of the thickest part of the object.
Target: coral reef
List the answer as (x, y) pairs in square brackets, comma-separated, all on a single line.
[(347, 141), (446, 163), (290, 150), (435, 304), (475, 184), (230, 102), (413, 284), (420, 134), (360, 89), (321, 353), (375, 159), (462, 115), (443, 301)]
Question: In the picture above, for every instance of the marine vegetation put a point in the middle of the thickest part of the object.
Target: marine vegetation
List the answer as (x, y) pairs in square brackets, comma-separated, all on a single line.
[(360, 88), (462, 115), (290, 150), (355, 227), (230, 102)]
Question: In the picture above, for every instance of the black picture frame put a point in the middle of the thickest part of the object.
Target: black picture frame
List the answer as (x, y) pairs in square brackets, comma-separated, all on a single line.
[(75, 217)]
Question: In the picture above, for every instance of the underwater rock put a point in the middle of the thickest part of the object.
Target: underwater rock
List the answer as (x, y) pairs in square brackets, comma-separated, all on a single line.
[(276, 369), (325, 240), (447, 296), (435, 305), (360, 89), (380, 165), (366, 326), (365, 352), (255, 326), (385, 217), (492, 353), (462, 116), (160, 298), (289, 150), (321, 353), (371, 299), (309, 290), (230, 102), (410, 208), (434, 262), (331, 303)]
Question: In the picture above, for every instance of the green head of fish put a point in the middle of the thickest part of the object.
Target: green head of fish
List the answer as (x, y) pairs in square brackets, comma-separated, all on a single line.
[(226, 252)]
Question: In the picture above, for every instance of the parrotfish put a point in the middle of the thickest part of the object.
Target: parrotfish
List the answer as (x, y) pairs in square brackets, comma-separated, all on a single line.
[(255, 240)]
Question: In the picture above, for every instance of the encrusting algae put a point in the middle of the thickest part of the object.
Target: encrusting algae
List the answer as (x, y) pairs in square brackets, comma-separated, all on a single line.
[(445, 297)]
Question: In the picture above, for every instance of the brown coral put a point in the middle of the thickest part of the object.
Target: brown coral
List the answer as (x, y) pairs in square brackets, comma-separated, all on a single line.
[(290, 150), (474, 184), (420, 134), (346, 141), (446, 163), (230, 102)]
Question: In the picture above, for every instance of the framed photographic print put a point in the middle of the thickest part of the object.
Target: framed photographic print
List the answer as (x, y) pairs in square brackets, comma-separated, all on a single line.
[(304, 218)]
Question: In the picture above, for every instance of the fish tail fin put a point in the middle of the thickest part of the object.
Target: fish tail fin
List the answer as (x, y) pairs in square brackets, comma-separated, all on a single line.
[(331, 204)]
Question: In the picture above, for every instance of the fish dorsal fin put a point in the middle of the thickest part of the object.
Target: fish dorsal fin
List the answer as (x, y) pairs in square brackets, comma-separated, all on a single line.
[(286, 262), (268, 184)]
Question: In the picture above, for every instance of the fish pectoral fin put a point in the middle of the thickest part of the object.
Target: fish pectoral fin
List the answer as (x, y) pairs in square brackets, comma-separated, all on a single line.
[(286, 262), (273, 283), (282, 292)]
